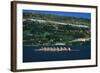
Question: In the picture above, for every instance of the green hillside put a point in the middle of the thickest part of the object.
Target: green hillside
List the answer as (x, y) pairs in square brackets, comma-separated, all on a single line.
[(46, 29)]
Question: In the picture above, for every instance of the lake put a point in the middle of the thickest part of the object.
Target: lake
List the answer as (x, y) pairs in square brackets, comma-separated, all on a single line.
[(31, 55)]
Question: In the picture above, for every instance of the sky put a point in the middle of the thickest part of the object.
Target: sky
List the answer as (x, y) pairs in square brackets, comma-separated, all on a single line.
[(74, 14)]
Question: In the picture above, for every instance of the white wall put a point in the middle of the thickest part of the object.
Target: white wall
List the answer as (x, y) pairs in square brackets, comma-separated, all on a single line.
[(5, 37)]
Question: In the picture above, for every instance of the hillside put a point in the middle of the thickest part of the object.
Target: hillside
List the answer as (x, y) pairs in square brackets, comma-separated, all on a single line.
[(46, 29)]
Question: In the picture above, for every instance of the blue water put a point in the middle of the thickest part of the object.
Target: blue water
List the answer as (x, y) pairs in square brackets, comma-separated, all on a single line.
[(31, 55), (71, 14)]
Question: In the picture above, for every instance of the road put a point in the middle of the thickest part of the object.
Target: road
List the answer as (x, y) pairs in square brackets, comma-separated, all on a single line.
[(55, 22)]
